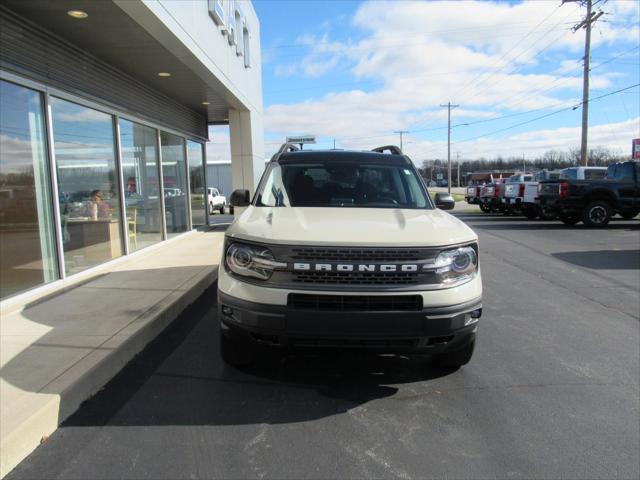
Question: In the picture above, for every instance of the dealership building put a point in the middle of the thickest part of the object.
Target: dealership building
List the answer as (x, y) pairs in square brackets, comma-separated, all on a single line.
[(104, 112)]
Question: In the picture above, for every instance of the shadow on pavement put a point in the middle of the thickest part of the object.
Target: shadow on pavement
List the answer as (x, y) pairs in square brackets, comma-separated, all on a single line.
[(504, 222), (603, 259), (179, 379)]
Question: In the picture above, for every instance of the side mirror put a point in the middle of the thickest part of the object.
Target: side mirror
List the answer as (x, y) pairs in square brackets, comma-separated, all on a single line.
[(240, 198), (444, 201)]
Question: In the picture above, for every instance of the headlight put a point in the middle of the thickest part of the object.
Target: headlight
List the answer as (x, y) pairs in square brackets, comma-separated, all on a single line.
[(456, 266), (251, 261)]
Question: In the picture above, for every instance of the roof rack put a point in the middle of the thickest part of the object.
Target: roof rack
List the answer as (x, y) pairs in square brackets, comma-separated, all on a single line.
[(392, 149), (284, 148)]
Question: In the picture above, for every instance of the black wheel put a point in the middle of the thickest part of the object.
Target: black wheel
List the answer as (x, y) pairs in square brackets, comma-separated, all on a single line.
[(530, 213), (211, 211), (545, 214), (222, 209), (455, 358), (628, 215), (231, 210), (236, 352), (596, 214), (484, 207), (569, 218)]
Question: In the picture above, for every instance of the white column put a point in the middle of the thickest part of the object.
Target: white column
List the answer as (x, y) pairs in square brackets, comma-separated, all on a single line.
[(247, 149)]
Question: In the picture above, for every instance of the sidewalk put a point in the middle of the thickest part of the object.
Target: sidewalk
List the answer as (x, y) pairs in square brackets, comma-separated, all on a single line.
[(58, 351)]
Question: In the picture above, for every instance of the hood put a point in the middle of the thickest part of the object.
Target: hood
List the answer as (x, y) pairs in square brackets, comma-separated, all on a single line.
[(350, 226)]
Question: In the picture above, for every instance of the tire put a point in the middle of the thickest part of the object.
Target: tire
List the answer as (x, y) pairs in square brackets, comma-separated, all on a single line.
[(222, 209), (546, 214), (530, 213), (569, 219), (236, 352), (455, 358), (484, 207), (231, 210), (597, 214)]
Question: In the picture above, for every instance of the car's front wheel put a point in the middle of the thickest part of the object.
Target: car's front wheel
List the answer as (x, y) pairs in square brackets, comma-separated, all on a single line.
[(597, 214), (484, 207), (235, 352), (455, 358)]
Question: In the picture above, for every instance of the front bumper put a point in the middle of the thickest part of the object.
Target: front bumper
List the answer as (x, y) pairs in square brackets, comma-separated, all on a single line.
[(430, 330)]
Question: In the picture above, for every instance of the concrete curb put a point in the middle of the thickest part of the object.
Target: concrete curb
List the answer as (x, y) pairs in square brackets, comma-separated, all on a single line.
[(93, 371)]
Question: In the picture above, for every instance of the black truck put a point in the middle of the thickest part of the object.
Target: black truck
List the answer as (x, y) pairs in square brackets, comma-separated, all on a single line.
[(594, 202)]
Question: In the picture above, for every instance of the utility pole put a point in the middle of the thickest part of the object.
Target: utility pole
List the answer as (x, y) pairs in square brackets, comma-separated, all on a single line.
[(401, 132), (334, 143), (524, 167), (458, 164), (589, 19), (449, 107)]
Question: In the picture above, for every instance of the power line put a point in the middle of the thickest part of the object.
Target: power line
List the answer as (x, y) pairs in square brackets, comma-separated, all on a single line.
[(477, 79), (547, 115)]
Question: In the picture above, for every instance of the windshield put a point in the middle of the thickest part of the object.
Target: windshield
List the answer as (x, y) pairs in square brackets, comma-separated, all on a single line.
[(341, 184)]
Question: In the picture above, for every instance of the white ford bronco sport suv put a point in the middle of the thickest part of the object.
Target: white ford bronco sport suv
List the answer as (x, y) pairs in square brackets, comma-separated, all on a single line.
[(345, 249)]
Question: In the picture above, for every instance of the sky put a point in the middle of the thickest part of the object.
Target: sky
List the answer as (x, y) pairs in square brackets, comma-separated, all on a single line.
[(357, 72)]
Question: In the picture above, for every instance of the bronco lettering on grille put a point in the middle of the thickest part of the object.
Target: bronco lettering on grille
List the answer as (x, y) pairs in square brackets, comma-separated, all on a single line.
[(350, 267)]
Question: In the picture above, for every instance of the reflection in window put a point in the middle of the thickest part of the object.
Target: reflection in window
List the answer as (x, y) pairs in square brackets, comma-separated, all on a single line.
[(141, 184), (27, 255), (175, 183), (196, 183), (87, 185)]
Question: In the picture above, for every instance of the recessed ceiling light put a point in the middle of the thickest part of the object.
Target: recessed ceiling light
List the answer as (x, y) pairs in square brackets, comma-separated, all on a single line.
[(164, 74), (77, 14), (205, 103)]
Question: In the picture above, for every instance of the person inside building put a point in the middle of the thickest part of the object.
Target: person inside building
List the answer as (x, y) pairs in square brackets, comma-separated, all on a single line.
[(97, 207)]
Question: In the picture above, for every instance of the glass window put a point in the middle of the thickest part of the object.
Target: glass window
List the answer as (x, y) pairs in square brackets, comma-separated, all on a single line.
[(26, 225), (247, 48), (141, 184), (196, 183), (594, 173), (341, 184), (87, 185), (175, 183)]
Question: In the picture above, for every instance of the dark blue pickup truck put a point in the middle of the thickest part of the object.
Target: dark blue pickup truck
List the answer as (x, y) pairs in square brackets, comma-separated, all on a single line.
[(594, 202)]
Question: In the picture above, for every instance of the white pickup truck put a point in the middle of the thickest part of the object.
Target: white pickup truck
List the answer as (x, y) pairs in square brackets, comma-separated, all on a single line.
[(514, 189), (216, 201), (530, 208)]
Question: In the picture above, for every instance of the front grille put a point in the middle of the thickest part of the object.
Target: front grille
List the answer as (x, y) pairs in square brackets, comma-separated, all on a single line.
[(356, 254), (354, 303), (360, 279), (356, 342), (351, 278)]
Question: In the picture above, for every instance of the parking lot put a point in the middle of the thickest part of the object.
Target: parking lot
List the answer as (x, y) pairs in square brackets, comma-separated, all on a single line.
[(552, 391)]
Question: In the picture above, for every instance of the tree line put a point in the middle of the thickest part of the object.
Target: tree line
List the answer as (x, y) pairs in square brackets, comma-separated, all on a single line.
[(550, 160)]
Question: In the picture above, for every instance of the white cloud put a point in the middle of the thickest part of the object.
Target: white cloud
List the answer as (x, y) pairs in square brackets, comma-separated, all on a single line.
[(486, 56)]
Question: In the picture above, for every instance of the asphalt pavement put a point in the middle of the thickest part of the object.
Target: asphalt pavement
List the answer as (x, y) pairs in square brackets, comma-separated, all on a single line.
[(552, 391)]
